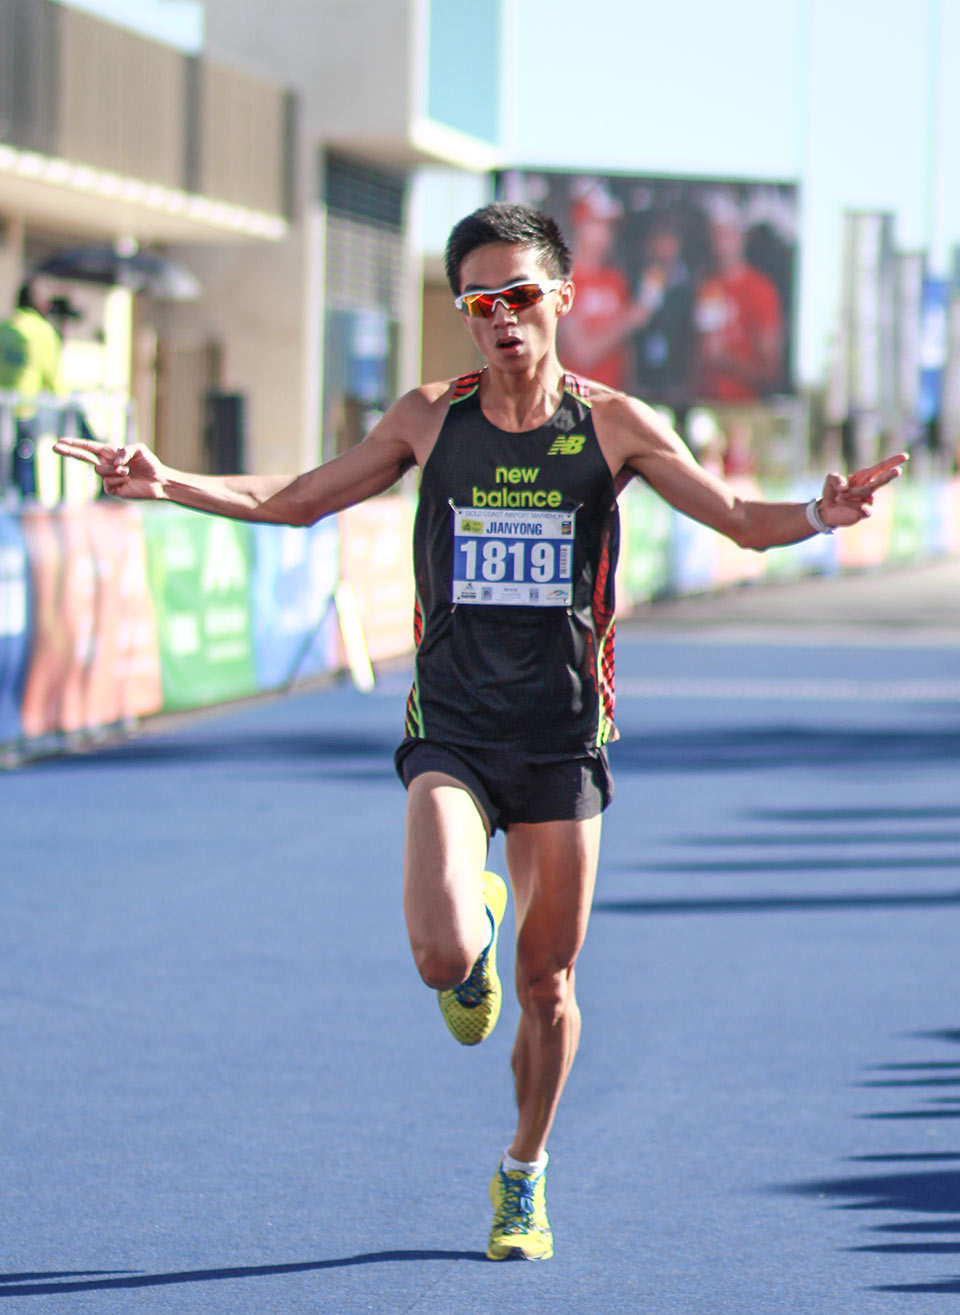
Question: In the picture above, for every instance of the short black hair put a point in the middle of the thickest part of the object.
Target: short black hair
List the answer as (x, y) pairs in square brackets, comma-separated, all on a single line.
[(505, 221), (26, 299)]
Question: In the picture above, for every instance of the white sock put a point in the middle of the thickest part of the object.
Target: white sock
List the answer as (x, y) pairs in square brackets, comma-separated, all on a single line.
[(511, 1165)]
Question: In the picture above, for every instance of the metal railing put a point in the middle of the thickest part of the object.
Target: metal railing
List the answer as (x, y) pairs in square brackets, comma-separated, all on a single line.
[(30, 470)]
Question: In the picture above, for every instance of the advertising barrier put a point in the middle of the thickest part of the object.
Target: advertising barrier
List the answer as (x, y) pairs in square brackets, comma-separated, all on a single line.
[(294, 579), (376, 559), (945, 518), (14, 627), (912, 522), (200, 576), (112, 612), (124, 680), (816, 556), (93, 653), (644, 571)]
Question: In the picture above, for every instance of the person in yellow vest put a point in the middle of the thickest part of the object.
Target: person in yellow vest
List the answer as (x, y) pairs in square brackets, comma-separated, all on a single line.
[(30, 348)]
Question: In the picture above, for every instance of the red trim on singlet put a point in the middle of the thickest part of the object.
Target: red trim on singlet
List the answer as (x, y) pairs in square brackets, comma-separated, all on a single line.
[(465, 385), (605, 628), (572, 383)]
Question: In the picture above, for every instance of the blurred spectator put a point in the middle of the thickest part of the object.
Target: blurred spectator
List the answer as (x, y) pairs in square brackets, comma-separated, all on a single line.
[(738, 318), (30, 365), (594, 335), (665, 338), (706, 440)]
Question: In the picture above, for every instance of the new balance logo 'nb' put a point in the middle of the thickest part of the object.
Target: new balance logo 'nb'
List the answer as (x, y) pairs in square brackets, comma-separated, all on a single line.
[(567, 445)]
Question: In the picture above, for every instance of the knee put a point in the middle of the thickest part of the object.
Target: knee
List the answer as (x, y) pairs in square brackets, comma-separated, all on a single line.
[(546, 995), (442, 967)]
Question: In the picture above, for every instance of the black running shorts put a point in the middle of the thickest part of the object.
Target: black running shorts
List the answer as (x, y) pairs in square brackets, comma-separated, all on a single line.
[(510, 788)]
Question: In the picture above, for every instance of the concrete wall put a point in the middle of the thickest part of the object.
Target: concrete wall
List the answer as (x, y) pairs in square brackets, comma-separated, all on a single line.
[(352, 63), (448, 350), (253, 313)]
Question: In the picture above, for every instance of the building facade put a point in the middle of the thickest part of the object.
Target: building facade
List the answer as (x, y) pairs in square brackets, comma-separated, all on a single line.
[(279, 165), (380, 99)]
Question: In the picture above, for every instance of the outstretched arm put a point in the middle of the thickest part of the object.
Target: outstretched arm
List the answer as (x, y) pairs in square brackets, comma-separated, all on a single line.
[(367, 469), (641, 442)]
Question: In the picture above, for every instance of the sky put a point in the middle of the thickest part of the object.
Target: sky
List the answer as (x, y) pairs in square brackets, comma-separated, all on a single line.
[(177, 22), (849, 98)]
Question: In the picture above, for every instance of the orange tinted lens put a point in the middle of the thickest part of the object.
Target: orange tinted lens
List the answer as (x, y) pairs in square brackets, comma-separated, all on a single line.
[(479, 303), (527, 294)]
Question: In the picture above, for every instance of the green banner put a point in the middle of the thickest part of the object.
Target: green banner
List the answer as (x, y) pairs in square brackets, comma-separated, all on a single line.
[(789, 560), (648, 525), (200, 579), (912, 516)]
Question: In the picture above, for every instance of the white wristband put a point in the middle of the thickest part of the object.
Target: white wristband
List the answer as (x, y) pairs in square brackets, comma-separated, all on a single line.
[(816, 520)]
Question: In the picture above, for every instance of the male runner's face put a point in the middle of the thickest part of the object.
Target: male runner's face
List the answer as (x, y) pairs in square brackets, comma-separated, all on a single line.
[(514, 341)]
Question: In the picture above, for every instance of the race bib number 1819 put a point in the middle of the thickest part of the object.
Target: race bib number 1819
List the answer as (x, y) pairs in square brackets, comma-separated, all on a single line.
[(513, 558)]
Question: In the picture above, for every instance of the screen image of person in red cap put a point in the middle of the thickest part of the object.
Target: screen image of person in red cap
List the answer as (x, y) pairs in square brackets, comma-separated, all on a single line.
[(738, 317), (595, 334)]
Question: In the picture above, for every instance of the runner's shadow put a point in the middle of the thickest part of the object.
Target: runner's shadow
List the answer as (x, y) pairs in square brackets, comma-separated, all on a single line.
[(16, 1285)]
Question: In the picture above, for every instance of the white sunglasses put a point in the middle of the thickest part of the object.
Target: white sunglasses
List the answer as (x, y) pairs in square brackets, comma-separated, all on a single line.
[(514, 297)]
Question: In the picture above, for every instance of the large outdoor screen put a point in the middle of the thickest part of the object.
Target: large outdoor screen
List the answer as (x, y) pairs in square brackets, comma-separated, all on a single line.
[(684, 286)]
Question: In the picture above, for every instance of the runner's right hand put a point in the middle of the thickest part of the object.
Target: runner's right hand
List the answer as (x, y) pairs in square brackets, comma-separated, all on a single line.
[(127, 472)]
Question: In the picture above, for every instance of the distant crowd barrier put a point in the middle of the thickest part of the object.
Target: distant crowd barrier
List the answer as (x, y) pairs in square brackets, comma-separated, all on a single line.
[(664, 554), (111, 612)]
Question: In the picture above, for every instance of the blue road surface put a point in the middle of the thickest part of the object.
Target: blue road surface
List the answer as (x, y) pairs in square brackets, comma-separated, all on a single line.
[(224, 1088)]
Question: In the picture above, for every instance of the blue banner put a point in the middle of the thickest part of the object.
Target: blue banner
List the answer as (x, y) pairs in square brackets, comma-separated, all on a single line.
[(15, 609), (295, 573), (694, 556), (933, 348)]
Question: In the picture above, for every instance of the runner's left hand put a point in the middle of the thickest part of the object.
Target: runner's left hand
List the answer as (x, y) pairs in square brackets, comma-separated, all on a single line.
[(845, 501)]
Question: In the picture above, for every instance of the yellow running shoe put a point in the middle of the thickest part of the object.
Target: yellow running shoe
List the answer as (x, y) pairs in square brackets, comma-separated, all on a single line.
[(471, 1009), (521, 1230)]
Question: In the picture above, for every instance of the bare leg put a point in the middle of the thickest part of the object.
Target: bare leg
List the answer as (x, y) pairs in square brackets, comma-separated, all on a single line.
[(553, 867), (446, 847)]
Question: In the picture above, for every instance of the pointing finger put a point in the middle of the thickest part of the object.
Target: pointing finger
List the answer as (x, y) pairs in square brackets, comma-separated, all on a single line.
[(889, 464), (92, 454), (78, 445), (863, 487)]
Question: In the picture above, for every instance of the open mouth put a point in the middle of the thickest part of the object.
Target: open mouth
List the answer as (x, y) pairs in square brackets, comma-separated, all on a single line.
[(509, 342)]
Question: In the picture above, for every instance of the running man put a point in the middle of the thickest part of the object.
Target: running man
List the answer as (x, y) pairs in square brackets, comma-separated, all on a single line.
[(515, 545)]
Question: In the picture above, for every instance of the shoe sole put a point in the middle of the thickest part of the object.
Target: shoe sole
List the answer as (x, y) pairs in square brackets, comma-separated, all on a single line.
[(517, 1253)]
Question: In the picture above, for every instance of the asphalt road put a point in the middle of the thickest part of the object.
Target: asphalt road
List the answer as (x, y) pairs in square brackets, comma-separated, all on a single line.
[(913, 604), (225, 1089)]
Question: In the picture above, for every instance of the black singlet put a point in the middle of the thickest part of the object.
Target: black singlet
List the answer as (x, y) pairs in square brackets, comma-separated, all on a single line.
[(498, 511)]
